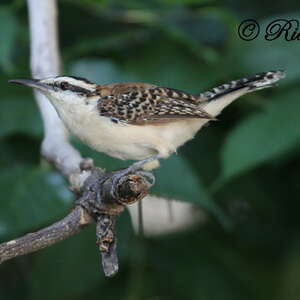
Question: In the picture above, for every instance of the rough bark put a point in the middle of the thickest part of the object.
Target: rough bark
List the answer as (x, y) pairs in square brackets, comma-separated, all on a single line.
[(45, 62), (71, 224), (102, 199)]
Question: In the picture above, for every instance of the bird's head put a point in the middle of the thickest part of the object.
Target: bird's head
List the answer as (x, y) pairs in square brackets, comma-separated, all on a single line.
[(61, 89)]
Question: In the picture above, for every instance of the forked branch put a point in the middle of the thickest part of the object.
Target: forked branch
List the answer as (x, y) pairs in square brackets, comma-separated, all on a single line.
[(102, 199)]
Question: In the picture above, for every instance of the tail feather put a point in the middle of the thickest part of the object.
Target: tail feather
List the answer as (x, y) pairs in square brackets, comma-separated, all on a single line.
[(215, 100), (253, 83)]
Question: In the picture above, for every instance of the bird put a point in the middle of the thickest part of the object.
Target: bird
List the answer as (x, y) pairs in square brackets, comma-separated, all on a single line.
[(140, 121)]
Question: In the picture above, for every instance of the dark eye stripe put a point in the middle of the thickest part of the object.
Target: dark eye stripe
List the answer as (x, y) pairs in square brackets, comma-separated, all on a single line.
[(78, 89), (81, 79), (70, 87)]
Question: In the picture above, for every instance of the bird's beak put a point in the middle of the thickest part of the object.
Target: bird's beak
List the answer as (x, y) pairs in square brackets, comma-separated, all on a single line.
[(33, 83)]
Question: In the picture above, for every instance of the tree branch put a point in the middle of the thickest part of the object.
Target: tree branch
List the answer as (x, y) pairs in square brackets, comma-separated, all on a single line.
[(102, 199), (45, 62), (71, 224)]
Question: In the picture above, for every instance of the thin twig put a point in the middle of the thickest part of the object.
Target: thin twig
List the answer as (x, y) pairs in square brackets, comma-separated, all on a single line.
[(140, 218), (74, 222), (103, 197)]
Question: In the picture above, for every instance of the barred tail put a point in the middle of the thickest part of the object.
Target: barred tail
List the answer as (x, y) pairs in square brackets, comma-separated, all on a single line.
[(219, 97), (253, 83)]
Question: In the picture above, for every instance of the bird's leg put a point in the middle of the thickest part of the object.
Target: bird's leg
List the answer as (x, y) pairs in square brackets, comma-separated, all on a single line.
[(138, 166)]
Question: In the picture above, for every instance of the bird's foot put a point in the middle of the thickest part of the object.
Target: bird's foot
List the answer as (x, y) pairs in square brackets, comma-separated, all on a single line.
[(139, 165), (136, 168)]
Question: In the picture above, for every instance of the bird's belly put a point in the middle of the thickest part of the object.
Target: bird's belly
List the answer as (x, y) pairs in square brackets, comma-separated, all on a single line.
[(175, 134), (135, 142)]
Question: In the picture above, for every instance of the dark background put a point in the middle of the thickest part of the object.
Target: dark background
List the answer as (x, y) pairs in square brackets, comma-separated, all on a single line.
[(243, 170)]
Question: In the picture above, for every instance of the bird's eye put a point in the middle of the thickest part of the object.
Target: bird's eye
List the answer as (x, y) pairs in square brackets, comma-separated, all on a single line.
[(64, 85)]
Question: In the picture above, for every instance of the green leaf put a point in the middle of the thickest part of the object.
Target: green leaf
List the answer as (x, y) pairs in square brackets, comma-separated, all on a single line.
[(263, 55), (174, 66), (184, 2), (79, 263), (102, 71), (70, 268), (33, 197), (9, 26), (289, 288), (19, 149), (160, 71), (19, 115), (175, 179), (263, 136)]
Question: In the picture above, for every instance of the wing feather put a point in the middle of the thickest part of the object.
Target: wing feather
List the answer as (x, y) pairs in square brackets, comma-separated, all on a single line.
[(147, 104)]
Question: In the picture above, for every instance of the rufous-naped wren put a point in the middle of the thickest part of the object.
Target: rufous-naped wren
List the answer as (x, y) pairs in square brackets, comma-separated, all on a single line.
[(139, 121)]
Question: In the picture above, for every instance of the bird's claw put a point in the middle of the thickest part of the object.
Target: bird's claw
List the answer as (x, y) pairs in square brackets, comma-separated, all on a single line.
[(148, 175), (140, 164), (136, 168)]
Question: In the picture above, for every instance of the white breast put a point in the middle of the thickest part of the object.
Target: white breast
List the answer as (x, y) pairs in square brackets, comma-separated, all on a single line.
[(134, 142)]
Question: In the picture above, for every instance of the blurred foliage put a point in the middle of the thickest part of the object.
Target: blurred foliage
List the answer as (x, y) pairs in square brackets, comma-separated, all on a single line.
[(242, 170)]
